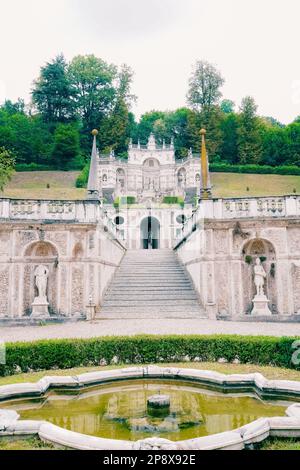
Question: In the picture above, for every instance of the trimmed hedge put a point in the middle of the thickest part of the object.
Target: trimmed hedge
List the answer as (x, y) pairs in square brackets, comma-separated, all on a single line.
[(124, 201), (65, 354), (254, 169), (173, 200), (33, 167)]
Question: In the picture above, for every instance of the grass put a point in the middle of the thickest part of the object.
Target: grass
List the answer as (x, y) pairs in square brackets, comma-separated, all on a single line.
[(268, 371), (235, 185), (33, 185), (280, 444), (33, 443)]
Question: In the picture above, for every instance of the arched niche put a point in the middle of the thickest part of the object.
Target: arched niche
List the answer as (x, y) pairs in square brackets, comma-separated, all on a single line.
[(121, 178), (40, 253), (151, 174), (263, 249), (78, 252), (181, 178)]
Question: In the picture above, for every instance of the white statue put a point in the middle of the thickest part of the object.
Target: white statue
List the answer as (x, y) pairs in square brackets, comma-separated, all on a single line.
[(41, 279), (259, 277)]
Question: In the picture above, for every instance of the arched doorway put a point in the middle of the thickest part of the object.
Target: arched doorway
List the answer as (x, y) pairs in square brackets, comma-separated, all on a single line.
[(150, 233)]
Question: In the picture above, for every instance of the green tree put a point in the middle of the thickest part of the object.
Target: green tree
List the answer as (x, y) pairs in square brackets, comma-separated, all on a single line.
[(66, 146), (229, 146), (52, 92), (275, 146), (293, 135), (204, 87), (227, 106), (93, 82), (7, 163), (249, 133)]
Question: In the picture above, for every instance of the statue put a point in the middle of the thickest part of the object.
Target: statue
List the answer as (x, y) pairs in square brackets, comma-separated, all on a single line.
[(41, 279), (40, 306), (259, 277), (260, 301)]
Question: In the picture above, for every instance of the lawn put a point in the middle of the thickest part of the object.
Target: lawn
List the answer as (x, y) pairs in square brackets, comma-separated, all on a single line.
[(44, 185), (268, 371), (62, 185)]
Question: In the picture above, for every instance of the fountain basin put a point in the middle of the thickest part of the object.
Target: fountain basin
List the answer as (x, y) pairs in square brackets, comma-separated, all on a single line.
[(237, 437)]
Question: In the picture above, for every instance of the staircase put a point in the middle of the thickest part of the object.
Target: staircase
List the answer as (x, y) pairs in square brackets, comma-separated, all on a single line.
[(151, 284)]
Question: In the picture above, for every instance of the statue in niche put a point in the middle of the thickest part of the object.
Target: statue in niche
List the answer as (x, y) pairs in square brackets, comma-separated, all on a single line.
[(41, 280), (259, 277), (260, 301)]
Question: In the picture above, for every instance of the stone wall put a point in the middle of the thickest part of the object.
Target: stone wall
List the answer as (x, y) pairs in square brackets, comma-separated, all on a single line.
[(220, 256), (81, 258)]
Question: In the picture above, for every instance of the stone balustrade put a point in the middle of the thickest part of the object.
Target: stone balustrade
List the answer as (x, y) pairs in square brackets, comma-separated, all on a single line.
[(56, 211), (29, 209), (237, 208)]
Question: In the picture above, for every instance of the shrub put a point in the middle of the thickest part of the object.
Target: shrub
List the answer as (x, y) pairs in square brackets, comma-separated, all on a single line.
[(124, 201), (173, 200), (83, 177), (65, 354)]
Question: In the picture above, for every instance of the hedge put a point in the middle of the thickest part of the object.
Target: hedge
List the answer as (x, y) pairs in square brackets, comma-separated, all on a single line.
[(173, 200), (124, 201), (65, 354), (33, 167), (255, 169)]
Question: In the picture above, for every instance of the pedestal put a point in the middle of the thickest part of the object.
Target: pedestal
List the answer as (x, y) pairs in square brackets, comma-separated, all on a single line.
[(260, 306), (40, 308), (91, 312)]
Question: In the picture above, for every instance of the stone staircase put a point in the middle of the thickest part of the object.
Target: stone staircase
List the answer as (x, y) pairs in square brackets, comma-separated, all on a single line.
[(151, 284)]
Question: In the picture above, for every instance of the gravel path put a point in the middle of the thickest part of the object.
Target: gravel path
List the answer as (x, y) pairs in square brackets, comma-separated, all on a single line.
[(134, 327)]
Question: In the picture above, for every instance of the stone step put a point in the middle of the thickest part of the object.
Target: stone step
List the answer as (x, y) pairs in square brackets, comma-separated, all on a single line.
[(151, 303), (156, 288), (154, 296), (149, 316), (151, 284)]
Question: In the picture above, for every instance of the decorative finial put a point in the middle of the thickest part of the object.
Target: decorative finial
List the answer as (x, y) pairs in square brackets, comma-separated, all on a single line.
[(203, 131), (95, 132)]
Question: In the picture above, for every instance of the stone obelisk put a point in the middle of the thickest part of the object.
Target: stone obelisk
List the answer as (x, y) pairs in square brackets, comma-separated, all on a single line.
[(205, 190)]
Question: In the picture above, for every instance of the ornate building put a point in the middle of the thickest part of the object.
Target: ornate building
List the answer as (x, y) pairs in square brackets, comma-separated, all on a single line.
[(150, 174)]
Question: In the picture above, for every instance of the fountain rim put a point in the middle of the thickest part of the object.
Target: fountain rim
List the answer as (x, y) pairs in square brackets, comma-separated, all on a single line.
[(256, 431)]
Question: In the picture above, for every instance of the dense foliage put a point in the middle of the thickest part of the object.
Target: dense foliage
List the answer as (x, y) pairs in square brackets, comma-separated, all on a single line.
[(70, 99), (7, 162), (65, 354)]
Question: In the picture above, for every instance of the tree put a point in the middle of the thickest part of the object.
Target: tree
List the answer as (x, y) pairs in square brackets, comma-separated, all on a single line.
[(227, 106), (52, 93), (115, 131), (204, 87), (293, 134), (7, 163), (249, 133), (66, 146), (95, 93), (125, 79), (14, 108), (229, 147)]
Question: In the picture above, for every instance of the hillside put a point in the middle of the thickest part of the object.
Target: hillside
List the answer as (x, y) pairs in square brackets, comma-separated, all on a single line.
[(62, 185)]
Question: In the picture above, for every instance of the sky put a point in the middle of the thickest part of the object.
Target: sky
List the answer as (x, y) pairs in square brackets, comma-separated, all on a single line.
[(254, 43)]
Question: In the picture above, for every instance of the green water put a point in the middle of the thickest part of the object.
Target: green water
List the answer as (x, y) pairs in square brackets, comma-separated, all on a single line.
[(119, 410)]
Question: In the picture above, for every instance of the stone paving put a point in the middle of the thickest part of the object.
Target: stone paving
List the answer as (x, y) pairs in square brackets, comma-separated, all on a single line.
[(134, 327)]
